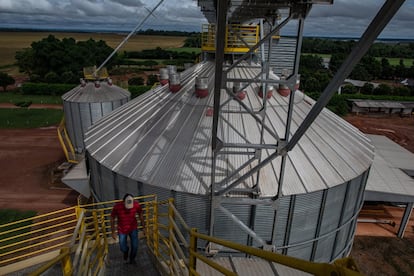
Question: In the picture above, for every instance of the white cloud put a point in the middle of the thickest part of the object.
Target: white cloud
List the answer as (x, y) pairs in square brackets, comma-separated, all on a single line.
[(352, 17), (26, 6), (344, 17)]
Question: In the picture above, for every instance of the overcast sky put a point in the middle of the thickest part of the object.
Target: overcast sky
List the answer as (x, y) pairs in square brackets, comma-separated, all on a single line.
[(346, 18)]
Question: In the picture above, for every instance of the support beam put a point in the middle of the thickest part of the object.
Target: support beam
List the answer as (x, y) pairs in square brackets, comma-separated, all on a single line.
[(382, 18), (291, 106), (243, 226), (374, 29), (218, 78), (405, 219)]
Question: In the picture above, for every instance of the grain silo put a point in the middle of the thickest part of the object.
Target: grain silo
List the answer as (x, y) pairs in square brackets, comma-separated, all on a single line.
[(161, 143), (278, 171), (87, 103)]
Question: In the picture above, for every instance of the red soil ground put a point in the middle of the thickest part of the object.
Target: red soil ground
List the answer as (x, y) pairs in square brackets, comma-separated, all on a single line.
[(400, 130), (27, 159)]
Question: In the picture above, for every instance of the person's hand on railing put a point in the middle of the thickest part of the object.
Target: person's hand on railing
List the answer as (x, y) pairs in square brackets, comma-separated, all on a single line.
[(113, 235)]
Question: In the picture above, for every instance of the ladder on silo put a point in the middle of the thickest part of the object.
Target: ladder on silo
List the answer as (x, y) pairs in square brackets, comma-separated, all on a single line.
[(66, 144)]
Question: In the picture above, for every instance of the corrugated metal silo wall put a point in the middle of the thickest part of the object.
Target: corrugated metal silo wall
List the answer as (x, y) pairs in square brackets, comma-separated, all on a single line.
[(317, 226), (226, 229), (79, 116), (320, 226), (283, 54)]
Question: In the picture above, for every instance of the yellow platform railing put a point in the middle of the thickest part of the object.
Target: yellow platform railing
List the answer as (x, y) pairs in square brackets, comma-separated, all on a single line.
[(90, 73), (238, 38), (76, 236), (178, 255)]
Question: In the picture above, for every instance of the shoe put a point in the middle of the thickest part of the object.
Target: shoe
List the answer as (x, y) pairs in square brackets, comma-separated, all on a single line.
[(125, 256), (132, 262)]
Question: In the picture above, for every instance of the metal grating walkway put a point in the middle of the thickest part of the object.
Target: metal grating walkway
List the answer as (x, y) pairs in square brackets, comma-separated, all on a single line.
[(117, 266)]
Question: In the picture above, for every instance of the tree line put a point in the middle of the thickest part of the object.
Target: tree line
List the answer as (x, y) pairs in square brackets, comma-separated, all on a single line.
[(159, 53), (166, 33), (374, 66), (52, 60), (61, 61), (378, 49)]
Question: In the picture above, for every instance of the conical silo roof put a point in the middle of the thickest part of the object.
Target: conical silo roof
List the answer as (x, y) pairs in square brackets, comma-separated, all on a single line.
[(92, 92), (164, 139), (87, 103)]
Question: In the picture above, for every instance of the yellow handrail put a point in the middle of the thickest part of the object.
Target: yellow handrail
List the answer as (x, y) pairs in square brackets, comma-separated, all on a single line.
[(70, 227), (176, 252), (62, 257), (345, 266)]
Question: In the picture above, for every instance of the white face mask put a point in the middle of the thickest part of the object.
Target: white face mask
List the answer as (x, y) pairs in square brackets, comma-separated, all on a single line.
[(129, 202)]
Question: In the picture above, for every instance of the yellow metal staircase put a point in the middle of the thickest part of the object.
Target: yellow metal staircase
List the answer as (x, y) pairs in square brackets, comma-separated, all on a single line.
[(77, 238), (66, 144)]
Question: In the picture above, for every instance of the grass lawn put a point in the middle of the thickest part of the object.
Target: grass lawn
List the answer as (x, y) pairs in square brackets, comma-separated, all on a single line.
[(29, 118), (10, 215), (10, 97), (408, 62)]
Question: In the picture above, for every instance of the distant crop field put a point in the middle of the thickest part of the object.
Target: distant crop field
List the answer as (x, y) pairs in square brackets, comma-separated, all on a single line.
[(10, 42)]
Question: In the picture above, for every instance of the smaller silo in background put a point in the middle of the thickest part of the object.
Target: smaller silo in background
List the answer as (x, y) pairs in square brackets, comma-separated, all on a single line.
[(87, 103)]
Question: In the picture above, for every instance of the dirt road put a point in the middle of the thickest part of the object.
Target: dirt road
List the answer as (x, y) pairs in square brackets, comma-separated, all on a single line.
[(27, 157)]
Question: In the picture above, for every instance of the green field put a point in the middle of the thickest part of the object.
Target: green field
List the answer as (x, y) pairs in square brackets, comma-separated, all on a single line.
[(29, 118), (8, 216), (10, 42), (408, 62), (9, 97)]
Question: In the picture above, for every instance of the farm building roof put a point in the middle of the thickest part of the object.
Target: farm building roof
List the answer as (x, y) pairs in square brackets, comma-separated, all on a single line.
[(377, 104), (359, 83), (387, 176)]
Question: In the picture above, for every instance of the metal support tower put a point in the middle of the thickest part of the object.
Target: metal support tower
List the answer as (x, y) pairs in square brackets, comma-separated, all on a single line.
[(223, 191)]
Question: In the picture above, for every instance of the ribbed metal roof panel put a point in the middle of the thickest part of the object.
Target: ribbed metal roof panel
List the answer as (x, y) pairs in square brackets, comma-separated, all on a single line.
[(386, 173), (378, 104), (164, 139), (90, 93)]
